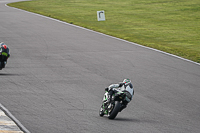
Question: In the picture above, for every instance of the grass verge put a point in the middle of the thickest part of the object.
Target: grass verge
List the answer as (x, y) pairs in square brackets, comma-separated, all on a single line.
[(172, 26)]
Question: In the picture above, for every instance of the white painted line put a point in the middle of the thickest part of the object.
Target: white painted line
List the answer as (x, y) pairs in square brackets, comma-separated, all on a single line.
[(109, 36), (17, 122)]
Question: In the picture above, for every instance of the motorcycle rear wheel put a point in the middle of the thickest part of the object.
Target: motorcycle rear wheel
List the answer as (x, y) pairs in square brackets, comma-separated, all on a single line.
[(115, 110)]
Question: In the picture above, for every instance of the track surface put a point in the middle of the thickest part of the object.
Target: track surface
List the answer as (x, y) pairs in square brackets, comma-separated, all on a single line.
[(55, 80)]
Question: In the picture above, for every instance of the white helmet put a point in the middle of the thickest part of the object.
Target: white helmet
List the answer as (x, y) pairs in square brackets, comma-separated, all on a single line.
[(126, 81)]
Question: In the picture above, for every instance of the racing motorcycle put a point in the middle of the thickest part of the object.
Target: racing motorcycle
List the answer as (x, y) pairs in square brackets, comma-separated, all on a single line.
[(3, 59), (118, 100)]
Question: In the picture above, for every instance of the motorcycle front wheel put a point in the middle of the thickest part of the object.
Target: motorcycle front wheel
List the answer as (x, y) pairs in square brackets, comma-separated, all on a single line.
[(101, 112)]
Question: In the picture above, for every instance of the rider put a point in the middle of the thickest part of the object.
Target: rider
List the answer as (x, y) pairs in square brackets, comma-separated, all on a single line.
[(126, 85), (4, 54)]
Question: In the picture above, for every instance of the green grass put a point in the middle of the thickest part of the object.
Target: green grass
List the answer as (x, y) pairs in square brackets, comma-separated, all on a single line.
[(172, 26)]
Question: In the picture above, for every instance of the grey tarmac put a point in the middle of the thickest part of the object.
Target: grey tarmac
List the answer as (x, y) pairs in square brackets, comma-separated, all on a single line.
[(55, 78)]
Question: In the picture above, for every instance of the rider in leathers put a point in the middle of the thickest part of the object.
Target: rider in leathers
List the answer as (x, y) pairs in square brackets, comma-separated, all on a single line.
[(4, 54), (122, 87)]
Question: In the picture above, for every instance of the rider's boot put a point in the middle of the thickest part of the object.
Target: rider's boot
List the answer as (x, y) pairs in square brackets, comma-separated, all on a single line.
[(122, 107)]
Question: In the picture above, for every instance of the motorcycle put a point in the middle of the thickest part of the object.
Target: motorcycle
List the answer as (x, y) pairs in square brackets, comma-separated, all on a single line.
[(3, 59), (117, 104)]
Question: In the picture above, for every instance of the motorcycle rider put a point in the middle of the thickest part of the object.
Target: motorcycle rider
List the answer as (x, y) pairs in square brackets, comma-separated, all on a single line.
[(4, 54), (122, 86)]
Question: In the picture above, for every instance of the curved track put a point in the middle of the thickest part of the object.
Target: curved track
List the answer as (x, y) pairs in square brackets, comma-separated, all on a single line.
[(55, 80)]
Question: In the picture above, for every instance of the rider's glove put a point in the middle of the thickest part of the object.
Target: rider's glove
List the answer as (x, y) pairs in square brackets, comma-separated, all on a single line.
[(106, 89), (121, 84)]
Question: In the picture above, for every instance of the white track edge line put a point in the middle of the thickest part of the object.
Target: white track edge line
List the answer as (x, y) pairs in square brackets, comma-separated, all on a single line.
[(108, 36), (17, 122)]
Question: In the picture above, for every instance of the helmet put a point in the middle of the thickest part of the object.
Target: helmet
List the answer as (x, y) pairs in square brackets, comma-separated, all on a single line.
[(126, 81), (3, 45)]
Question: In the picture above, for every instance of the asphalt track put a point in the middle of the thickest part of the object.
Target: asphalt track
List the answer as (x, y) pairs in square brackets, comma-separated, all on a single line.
[(55, 79)]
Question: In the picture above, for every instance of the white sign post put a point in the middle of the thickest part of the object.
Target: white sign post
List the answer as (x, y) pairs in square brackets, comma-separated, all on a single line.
[(101, 16)]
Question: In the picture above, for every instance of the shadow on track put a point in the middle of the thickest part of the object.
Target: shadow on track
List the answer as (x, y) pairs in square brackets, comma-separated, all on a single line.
[(134, 120), (8, 74)]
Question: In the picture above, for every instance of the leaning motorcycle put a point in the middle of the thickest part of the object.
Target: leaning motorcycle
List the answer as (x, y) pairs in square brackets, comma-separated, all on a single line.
[(3, 59), (116, 105)]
